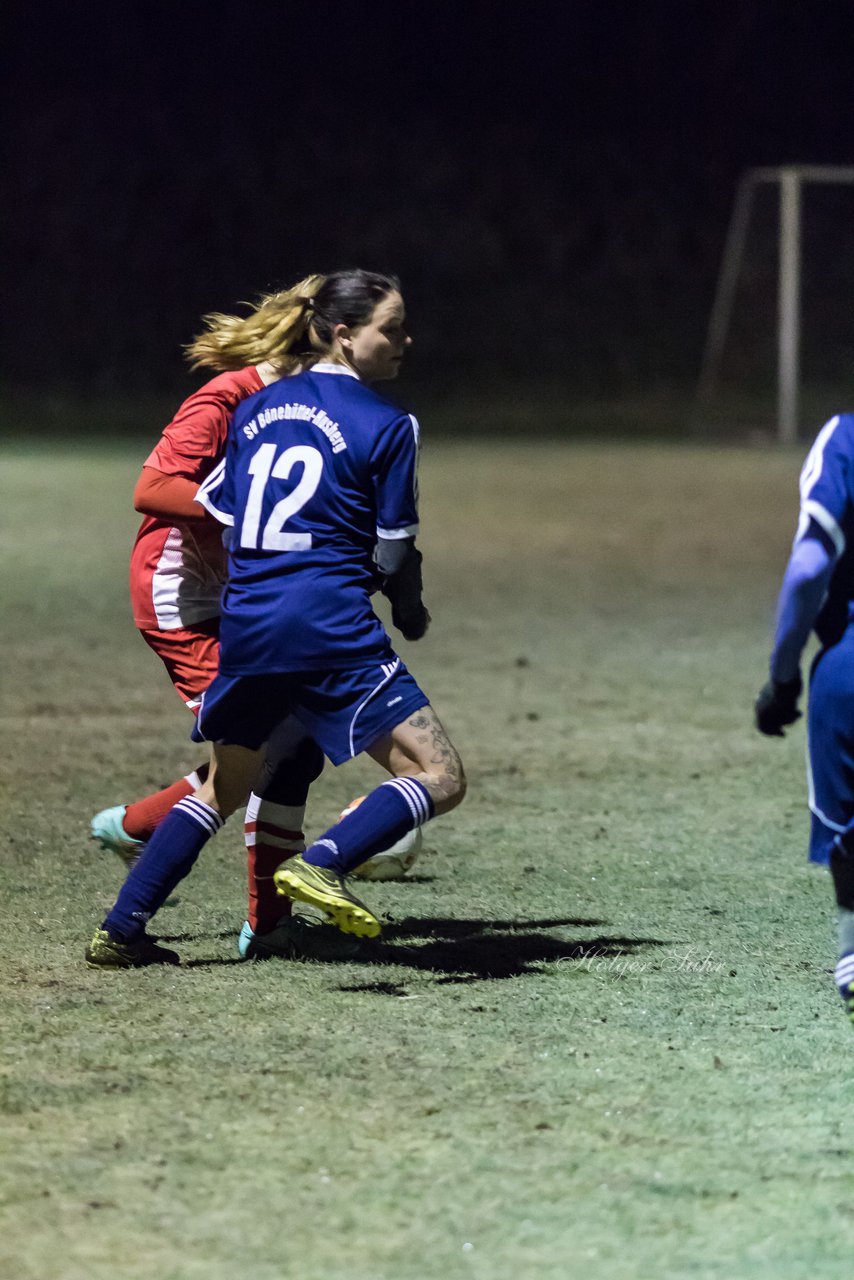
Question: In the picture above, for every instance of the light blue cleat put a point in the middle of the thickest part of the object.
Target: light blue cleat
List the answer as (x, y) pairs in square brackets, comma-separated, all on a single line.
[(298, 937), (244, 942), (106, 827)]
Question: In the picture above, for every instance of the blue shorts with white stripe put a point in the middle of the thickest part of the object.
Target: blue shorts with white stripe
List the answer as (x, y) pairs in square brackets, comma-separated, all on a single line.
[(345, 711), (830, 729)]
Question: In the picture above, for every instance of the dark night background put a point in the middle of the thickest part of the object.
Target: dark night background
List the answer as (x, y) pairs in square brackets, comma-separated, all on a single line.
[(552, 182)]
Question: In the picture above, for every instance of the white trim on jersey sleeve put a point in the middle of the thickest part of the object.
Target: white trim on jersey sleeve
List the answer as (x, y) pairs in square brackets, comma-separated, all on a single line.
[(209, 486), (814, 463), (393, 535), (416, 431), (815, 511), (810, 475), (410, 531)]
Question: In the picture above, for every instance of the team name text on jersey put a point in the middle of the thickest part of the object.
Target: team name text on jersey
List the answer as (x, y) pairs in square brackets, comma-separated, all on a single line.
[(302, 413)]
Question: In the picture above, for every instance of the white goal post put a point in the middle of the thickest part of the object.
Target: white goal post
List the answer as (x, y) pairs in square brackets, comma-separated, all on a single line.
[(791, 180)]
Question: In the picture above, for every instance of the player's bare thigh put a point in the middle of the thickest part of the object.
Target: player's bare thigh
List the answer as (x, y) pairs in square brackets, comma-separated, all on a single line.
[(232, 776), (420, 748)]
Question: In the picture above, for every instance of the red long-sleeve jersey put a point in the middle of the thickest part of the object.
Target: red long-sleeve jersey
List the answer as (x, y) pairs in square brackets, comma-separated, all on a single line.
[(178, 562)]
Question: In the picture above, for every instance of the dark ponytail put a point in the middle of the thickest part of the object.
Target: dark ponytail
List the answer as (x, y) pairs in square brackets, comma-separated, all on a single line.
[(346, 297)]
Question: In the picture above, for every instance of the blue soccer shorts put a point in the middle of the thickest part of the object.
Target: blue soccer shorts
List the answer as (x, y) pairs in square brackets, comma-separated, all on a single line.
[(830, 730), (345, 711)]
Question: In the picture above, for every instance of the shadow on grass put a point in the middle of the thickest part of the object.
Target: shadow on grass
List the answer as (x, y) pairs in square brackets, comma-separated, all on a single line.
[(412, 877), (195, 937), (464, 951), (439, 927)]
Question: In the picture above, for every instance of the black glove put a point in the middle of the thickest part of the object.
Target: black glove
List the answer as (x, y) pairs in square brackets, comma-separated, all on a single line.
[(413, 624), (777, 705)]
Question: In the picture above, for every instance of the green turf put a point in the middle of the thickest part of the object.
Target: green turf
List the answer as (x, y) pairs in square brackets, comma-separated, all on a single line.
[(600, 1038)]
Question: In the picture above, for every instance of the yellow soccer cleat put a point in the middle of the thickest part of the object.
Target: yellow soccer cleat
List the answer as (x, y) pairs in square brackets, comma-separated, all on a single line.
[(107, 952), (327, 890)]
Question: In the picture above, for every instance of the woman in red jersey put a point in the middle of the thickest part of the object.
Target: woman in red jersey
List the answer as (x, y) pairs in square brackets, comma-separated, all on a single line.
[(177, 570)]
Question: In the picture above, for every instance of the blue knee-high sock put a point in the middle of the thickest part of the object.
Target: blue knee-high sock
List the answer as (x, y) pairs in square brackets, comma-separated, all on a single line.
[(383, 817), (167, 858)]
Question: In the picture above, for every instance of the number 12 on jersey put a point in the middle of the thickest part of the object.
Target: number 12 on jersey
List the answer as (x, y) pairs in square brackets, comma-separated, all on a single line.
[(262, 469)]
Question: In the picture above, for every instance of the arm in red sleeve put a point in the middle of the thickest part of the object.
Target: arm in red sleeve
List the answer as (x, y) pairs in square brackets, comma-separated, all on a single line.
[(167, 497)]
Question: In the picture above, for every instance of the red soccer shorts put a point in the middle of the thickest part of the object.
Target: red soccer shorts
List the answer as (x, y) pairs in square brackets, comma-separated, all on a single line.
[(190, 655)]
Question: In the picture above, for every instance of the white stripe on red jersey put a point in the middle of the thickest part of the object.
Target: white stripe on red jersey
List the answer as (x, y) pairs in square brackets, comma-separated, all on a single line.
[(177, 570)]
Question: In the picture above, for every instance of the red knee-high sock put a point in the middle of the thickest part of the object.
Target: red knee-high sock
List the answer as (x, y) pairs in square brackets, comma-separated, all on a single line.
[(273, 833), (142, 816)]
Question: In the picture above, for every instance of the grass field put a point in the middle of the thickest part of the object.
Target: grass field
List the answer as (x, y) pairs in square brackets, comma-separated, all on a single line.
[(600, 1038)]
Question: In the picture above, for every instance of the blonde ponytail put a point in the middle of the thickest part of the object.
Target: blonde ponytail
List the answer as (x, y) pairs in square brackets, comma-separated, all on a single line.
[(275, 325)]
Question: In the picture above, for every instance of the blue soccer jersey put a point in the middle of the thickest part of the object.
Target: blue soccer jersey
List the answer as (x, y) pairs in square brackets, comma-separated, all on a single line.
[(317, 467), (827, 497)]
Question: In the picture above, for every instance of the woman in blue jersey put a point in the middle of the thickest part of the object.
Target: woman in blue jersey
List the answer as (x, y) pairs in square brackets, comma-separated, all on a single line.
[(319, 490), (818, 594)]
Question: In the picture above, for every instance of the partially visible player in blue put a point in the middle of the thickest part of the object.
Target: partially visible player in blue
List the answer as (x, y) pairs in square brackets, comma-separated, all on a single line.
[(818, 594), (319, 488)]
